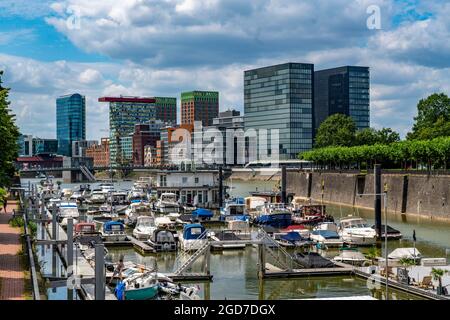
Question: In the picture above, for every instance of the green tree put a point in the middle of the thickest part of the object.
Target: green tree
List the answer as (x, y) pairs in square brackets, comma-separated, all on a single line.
[(387, 136), (433, 117), (337, 130), (9, 134), (370, 136)]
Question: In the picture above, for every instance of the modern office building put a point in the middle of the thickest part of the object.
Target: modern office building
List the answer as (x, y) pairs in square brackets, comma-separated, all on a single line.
[(343, 90), (165, 146), (166, 109), (281, 97), (124, 114), (199, 106), (145, 135), (100, 153), (70, 121), (29, 146)]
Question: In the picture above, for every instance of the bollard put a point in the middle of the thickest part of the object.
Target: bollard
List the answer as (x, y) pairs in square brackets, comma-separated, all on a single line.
[(99, 272), (69, 242), (54, 222), (377, 204), (70, 255)]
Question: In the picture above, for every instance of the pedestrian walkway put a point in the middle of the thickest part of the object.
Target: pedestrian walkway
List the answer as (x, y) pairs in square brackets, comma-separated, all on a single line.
[(11, 273)]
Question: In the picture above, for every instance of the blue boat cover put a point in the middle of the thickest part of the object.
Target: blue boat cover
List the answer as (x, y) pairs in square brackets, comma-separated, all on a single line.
[(202, 213), (116, 225), (239, 200), (292, 236), (136, 201), (193, 231), (119, 290), (327, 234)]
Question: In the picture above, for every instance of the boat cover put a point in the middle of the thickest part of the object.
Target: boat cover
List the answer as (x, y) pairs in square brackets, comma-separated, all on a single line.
[(202, 213), (292, 236), (313, 260), (113, 226), (390, 230), (327, 234), (193, 231), (407, 253)]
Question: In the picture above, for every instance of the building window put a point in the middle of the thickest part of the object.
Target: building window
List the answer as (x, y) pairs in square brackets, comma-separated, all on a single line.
[(196, 179)]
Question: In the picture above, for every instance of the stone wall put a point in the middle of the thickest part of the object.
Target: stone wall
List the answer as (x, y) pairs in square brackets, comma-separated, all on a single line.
[(424, 195)]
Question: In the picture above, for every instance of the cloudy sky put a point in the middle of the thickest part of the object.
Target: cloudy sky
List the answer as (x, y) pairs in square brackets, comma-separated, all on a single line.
[(164, 47)]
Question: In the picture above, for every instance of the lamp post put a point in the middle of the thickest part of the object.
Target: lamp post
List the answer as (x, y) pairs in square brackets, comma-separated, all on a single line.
[(384, 195)]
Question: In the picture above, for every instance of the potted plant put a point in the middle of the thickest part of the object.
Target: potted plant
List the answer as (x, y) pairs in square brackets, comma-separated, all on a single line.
[(437, 274), (407, 263), (373, 253)]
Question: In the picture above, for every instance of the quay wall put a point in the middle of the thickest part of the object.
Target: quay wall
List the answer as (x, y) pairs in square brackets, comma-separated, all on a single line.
[(421, 195)]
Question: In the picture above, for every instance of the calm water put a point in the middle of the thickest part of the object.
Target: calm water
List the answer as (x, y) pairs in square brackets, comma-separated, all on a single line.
[(235, 272)]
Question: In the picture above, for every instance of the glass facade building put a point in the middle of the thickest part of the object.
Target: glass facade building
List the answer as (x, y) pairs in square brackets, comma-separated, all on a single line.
[(281, 97), (70, 122), (166, 109), (124, 114), (343, 90)]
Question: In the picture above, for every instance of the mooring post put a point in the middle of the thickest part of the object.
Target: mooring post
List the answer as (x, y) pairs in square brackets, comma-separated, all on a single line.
[(208, 260), (54, 222), (70, 255), (261, 261), (220, 187), (99, 272), (283, 184), (377, 204)]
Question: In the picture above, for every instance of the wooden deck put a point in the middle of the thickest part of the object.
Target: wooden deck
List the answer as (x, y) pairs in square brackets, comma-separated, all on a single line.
[(190, 277), (275, 272)]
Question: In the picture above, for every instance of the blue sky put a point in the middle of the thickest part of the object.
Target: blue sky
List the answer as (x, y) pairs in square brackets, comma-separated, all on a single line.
[(164, 47)]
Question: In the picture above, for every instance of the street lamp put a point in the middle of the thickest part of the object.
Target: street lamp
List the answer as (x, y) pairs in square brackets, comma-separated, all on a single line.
[(384, 194)]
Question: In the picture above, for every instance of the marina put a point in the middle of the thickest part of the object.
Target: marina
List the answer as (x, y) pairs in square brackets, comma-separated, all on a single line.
[(208, 264)]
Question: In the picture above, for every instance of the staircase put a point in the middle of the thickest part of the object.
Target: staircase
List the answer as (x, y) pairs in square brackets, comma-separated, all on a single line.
[(88, 174), (280, 256), (185, 259)]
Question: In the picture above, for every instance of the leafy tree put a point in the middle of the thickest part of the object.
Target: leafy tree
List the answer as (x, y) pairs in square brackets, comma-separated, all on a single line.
[(370, 136), (387, 136), (433, 117), (9, 133), (337, 130), (437, 274)]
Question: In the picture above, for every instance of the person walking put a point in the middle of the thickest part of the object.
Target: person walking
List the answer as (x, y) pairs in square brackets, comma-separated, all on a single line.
[(5, 203)]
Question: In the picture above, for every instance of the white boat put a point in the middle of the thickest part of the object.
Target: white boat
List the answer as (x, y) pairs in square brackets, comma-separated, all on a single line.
[(326, 234), (194, 236), (106, 187), (352, 257), (163, 240), (405, 253), (165, 222), (113, 231), (356, 231), (167, 203), (234, 209), (67, 210), (136, 209), (98, 197), (145, 226), (66, 193), (228, 240)]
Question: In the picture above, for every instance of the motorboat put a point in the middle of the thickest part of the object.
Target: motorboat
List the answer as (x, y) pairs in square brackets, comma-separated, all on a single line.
[(290, 239), (167, 203), (137, 194), (76, 196), (234, 209), (228, 240), (85, 234), (300, 229), (139, 286), (240, 227), (67, 210), (113, 231), (392, 234), (66, 193), (201, 214), (353, 257), (326, 235), (310, 215), (118, 199), (164, 222), (194, 236), (405, 253), (145, 226), (163, 240), (106, 187), (97, 197), (274, 214), (356, 231), (135, 209), (310, 260)]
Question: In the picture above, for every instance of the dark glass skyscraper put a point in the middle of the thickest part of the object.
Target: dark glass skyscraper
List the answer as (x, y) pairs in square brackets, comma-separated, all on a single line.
[(343, 90), (281, 97), (70, 121)]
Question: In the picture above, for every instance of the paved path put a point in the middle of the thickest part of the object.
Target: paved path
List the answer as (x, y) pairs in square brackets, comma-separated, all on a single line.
[(11, 274)]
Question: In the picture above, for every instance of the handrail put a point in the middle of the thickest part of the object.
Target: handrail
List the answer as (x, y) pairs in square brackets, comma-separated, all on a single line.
[(185, 255), (36, 294), (265, 238)]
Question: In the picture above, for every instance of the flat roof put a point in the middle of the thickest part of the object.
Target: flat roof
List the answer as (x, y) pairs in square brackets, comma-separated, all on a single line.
[(127, 99)]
